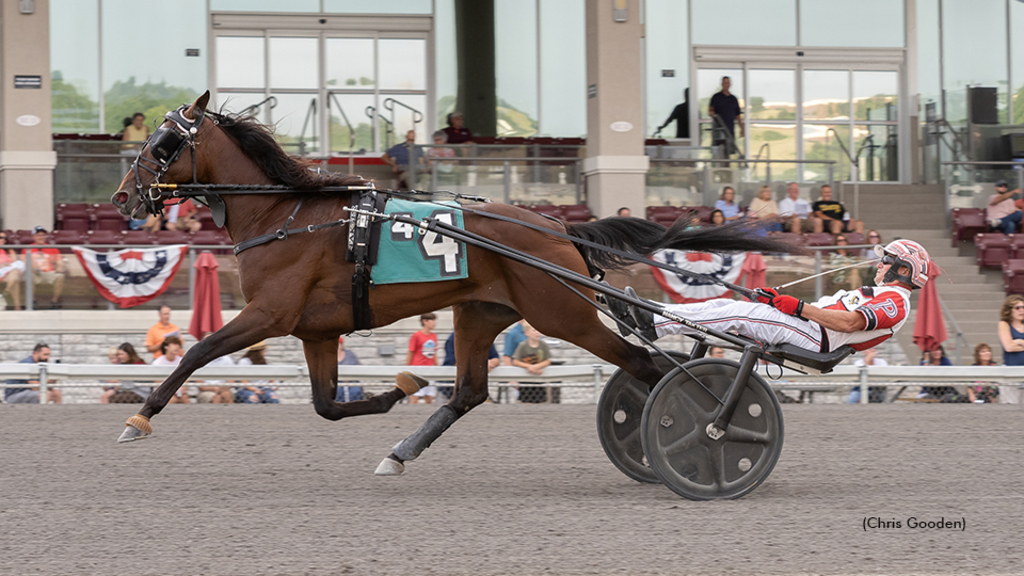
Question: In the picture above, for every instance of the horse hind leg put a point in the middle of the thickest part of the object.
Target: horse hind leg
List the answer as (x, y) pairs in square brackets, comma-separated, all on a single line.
[(477, 324)]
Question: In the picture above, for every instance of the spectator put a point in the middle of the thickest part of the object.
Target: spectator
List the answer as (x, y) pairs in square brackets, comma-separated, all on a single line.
[(493, 360), (936, 356), (255, 355), (727, 108), (136, 130), (47, 265), (872, 237), (681, 115), (534, 355), (183, 217), (983, 394), (30, 395), (842, 257), (12, 271), (439, 153), (796, 212), (1011, 337), (1001, 212), (347, 358), (398, 158), (162, 329), (764, 207), (456, 133), (624, 212), (716, 352), (512, 339), (730, 210), (127, 392), (717, 218), (833, 213), (171, 351), (592, 218), (423, 352), (212, 392), (876, 394)]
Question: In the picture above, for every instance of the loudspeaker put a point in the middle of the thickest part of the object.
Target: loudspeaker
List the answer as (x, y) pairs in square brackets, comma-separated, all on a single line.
[(983, 105)]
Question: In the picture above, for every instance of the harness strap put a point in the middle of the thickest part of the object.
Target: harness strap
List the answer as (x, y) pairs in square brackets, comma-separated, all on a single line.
[(267, 238)]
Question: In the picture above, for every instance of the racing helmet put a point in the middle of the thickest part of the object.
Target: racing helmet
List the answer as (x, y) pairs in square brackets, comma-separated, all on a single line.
[(905, 253)]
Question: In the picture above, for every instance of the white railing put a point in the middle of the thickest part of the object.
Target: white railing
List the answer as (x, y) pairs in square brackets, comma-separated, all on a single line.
[(570, 376)]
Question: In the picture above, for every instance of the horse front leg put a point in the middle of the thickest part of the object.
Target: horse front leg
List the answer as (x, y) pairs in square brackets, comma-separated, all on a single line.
[(322, 359), (249, 327), (477, 324)]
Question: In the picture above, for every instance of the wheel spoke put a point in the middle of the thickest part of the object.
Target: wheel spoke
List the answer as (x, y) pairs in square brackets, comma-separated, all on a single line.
[(736, 434), (630, 438), (634, 394), (682, 444), (716, 457)]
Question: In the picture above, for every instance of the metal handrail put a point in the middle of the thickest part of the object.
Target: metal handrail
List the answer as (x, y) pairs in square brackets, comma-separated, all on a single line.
[(272, 100), (417, 116), (730, 140), (854, 172), (371, 112), (747, 161), (310, 113), (351, 131)]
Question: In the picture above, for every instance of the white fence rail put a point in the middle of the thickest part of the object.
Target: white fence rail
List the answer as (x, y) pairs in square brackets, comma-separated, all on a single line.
[(579, 376)]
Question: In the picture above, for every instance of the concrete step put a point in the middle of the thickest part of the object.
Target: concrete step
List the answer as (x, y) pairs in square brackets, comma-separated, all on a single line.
[(971, 277), (971, 290), (973, 306)]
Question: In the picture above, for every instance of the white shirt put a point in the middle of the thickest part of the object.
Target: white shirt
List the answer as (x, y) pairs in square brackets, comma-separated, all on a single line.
[(163, 361), (800, 207), (878, 362)]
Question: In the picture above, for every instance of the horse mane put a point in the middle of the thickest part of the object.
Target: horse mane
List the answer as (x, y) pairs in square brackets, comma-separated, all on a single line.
[(257, 141)]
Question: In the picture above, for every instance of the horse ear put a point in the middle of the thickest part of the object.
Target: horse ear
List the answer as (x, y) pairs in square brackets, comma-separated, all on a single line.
[(199, 104)]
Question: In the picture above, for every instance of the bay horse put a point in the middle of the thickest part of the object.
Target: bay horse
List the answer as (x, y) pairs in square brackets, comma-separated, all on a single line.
[(302, 286)]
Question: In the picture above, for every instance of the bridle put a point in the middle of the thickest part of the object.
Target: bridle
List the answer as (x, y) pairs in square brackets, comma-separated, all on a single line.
[(166, 146)]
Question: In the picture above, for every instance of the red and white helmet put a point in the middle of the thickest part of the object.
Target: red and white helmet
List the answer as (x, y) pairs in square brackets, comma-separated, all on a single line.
[(906, 253)]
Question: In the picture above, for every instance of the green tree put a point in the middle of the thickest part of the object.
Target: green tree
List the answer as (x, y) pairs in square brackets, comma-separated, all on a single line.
[(126, 97), (72, 110)]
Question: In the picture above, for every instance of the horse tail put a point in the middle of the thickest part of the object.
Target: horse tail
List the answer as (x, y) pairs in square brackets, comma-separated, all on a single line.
[(643, 237)]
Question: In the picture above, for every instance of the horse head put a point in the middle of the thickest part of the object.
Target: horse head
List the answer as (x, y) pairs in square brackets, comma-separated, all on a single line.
[(162, 159)]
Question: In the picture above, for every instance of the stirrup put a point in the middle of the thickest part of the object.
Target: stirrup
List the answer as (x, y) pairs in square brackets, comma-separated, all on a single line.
[(643, 318)]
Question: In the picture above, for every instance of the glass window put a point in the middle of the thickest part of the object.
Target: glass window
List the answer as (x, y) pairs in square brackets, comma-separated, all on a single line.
[(1017, 73), (563, 68), (407, 113), (709, 81), (772, 94), (240, 62), (778, 140), (294, 122), (744, 22), (666, 53), (928, 52), (822, 142), (389, 7), (294, 63), (874, 95), (148, 73), (264, 6), (350, 63), (870, 23), (354, 107), (74, 65), (974, 52), (515, 62), (402, 64), (826, 95), (235, 102), (878, 148), (445, 62)]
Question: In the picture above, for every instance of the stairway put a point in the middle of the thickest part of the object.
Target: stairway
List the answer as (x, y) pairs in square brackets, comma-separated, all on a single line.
[(973, 298)]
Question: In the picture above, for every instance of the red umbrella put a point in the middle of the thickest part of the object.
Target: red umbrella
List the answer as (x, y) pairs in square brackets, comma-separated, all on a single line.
[(754, 270), (206, 315), (929, 328)]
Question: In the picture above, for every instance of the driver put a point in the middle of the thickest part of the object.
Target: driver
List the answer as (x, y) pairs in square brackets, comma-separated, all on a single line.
[(861, 318)]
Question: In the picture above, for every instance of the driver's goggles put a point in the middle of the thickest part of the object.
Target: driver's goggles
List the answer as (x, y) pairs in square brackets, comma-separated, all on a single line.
[(888, 259)]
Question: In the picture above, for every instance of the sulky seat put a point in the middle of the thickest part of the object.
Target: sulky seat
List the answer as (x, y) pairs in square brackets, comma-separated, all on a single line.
[(800, 359), (993, 249)]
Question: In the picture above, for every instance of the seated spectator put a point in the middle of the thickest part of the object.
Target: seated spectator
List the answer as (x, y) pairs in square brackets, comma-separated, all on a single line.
[(171, 351), (456, 133), (493, 361), (979, 394), (937, 357), (831, 212), (717, 218), (135, 129), (716, 352), (212, 392), (796, 212), (347, 358), (876, 394), (534, 355), (624, 212), (162, 329), (439, 154), (726, 205), (12, 271), (127, 392), (1001, 212), (255, 355), (849, 278), (183, 217), (47, 265), (398, 157), (30, 395), (764, 207), (872, 237)]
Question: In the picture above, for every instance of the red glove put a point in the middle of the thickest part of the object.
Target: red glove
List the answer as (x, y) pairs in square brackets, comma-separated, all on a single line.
[(788, 305), (765, 295)]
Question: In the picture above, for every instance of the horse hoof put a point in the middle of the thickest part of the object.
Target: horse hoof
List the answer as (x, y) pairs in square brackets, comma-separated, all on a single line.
[(131, 434), (409, 383), (389, 467)]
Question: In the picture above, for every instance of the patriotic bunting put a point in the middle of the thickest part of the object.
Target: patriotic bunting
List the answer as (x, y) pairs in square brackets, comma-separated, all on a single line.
[(687, 289), (134, 276)]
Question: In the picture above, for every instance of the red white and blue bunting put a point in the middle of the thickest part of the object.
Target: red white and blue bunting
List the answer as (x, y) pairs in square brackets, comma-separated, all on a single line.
[(132, 277), (688, 289)]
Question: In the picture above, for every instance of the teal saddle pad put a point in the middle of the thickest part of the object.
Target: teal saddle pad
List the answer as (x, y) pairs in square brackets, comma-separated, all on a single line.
[(407, 253)]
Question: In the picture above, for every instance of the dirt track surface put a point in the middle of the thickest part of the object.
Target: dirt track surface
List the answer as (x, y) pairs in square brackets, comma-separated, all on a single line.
[(238, 490)]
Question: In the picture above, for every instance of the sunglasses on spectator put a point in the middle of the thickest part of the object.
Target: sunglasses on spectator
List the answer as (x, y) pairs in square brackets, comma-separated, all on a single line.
[(874, 236), (1018, 307)]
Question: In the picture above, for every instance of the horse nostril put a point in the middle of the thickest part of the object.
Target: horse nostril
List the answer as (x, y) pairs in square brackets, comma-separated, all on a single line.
[(120, 198)]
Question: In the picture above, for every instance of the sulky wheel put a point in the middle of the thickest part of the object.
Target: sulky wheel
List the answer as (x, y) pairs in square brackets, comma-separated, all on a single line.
[(681, 453), (618, 419)]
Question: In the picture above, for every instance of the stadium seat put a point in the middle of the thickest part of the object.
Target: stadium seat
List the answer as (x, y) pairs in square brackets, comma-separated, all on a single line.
[(575, 212), (72, 217), (23, 237), (105, 237), (1016, 246), (68, 237), (172, 237), (854, 238), (548, 209), (138, 237), (207, 237), (788, 237), (993, 250), (108, 218), (819, 239), (967, 222), (205, 218), (703, 213), (664, 215), (1013, 276)]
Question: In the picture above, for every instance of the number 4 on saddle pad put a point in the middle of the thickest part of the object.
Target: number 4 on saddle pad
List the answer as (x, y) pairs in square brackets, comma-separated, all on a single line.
[(407, 255)]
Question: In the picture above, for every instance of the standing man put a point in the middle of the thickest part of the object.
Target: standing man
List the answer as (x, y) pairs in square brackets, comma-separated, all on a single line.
[(1001, 212), (41, 353), (158, 332), (727, 108), (834, 214), (796, 212), (681, 114), (423, 352), (398, 158), (47, 265)]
